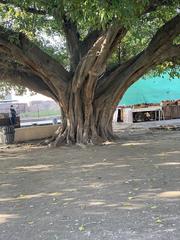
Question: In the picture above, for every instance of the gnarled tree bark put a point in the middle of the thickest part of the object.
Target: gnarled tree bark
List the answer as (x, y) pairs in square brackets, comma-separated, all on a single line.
[(88, 94)]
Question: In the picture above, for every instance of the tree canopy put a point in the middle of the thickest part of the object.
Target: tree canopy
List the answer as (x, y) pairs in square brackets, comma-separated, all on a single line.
[(86, 53), (49, 23)]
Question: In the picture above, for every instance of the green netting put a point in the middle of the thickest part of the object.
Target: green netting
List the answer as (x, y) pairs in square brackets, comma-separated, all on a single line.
[(152, 90)]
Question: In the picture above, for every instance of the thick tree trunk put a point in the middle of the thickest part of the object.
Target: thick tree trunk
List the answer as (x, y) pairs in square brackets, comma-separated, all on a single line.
[(87, 122), (83, 122)]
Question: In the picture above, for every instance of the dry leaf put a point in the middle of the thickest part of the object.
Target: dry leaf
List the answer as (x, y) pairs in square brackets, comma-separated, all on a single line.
[(81, 228)]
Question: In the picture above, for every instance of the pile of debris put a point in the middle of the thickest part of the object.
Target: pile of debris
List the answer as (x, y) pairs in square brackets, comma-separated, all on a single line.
[(167, 128), (171, 109)]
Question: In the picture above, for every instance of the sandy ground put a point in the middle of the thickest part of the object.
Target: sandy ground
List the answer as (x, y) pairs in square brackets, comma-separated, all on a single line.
[(128, 190)]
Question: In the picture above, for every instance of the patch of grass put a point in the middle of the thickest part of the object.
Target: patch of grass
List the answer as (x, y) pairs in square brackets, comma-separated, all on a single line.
[(42, 113)]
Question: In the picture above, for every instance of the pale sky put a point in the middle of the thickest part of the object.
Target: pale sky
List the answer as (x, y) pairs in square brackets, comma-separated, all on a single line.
[(28, 97)]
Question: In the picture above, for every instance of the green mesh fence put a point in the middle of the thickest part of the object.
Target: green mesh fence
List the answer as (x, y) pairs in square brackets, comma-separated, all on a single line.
[(152, 90)]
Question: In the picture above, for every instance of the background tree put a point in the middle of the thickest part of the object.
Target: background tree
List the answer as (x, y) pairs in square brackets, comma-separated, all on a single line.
[(105, 47)]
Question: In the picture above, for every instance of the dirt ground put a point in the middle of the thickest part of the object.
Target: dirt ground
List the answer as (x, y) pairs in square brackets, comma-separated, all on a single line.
[(128, 190)]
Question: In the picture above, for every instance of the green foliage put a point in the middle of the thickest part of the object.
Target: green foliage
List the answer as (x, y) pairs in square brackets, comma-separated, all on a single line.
[(54, 45), (40, 113), (88, 14), (6, 87), (139, 36), (99, 13), (45, 29)]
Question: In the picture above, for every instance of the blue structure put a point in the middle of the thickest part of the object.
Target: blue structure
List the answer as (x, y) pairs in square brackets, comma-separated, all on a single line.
[(152, 90)]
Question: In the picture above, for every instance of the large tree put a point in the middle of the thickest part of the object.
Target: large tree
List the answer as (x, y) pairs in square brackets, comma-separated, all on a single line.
[(108, 46)]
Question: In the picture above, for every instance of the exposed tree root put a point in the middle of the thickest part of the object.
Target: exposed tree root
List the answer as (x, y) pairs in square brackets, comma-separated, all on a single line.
[(61, 138)]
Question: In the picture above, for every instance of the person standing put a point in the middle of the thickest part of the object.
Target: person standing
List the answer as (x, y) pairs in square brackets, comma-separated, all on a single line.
[(12, 115)]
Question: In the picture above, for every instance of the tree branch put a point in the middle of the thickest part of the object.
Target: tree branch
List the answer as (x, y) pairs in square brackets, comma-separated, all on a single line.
[(173, 53), (18, 47), (73, 41), (154, 4), (71, 33), (94, 63), (160, 49), (26, 78), (92, 37), (12, 66), (89, 40), (165, 35)]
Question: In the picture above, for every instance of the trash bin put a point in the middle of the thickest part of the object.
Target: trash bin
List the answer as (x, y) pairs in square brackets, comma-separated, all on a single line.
[(8, 133), (55, 121)]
